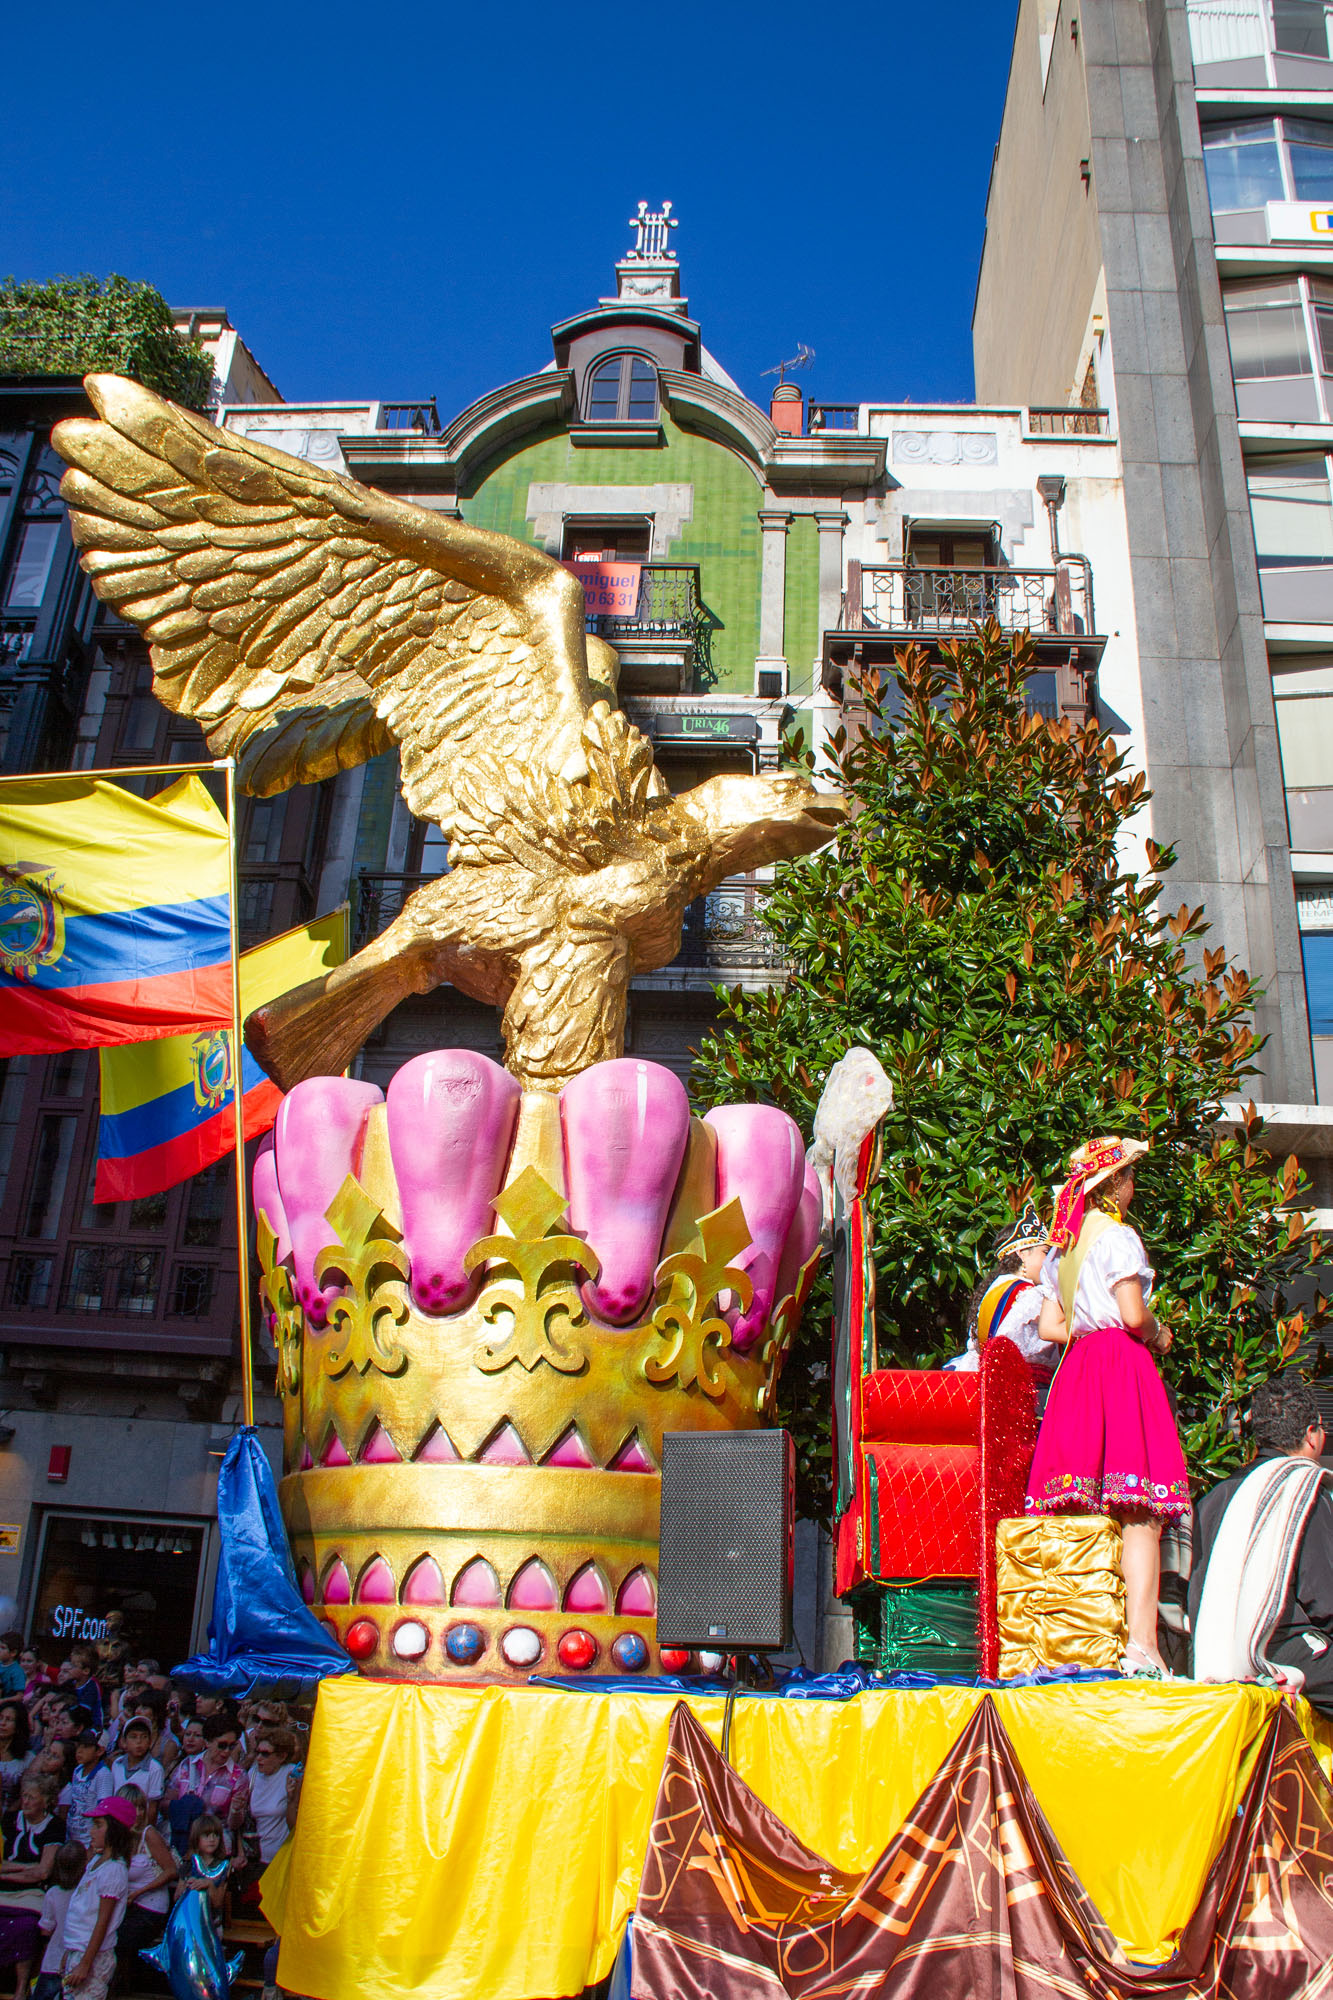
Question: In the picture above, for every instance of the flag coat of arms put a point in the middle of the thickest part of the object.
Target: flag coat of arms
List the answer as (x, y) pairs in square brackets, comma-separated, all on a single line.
[(167, 1106), (115, 914)]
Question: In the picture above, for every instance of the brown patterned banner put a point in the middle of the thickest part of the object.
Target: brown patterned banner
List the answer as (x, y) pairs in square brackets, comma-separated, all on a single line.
[(972, 1896)]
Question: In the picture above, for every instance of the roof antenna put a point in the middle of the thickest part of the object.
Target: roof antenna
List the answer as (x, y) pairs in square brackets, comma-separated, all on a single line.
[(801, 359)]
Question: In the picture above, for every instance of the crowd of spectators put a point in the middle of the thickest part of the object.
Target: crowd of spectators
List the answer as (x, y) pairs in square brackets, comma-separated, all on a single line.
[(120, 1792)]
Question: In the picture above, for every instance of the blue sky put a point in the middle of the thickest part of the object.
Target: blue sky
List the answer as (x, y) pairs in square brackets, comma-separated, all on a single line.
[(399, 200)]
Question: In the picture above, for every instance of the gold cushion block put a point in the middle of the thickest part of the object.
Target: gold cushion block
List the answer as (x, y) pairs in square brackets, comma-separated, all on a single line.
[(1060, 1595)]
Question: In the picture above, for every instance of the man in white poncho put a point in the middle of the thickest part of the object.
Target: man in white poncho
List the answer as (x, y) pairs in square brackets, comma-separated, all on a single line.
[(1261, 1592)]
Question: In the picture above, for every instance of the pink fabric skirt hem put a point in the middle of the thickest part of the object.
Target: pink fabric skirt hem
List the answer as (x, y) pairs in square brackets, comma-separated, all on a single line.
[(1108, 1441)]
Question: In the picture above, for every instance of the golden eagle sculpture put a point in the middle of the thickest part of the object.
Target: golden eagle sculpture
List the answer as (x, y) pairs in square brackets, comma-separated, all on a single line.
[(308, 623)]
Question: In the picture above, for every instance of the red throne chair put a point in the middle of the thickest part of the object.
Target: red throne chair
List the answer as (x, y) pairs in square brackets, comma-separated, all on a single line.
[(927, 1461)]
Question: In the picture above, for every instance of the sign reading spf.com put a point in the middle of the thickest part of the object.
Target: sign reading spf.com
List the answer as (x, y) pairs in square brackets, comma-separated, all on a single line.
[(68, 1622), (610, 589), (1298, 222)]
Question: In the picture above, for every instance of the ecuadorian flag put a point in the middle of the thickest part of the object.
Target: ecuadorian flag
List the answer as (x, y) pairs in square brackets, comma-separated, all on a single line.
[(167, 1105), (114, 914)]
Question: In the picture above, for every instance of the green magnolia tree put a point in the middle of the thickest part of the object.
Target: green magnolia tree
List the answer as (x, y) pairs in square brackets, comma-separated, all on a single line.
[(974, 927), (77, 326)]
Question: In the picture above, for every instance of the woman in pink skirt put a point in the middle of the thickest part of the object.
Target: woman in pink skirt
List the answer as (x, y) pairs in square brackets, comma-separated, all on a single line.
[(1108, 1442)]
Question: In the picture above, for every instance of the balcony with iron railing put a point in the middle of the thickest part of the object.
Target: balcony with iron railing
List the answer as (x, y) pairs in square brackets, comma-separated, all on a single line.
[(887, 606), (722, 935), (1078, 420), (665, 643), (920, 597)]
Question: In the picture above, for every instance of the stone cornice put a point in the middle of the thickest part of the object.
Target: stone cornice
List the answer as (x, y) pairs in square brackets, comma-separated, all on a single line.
[(476, 434), (831, 461), (719, 413)]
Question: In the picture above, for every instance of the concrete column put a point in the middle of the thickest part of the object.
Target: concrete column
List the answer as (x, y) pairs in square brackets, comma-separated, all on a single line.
[(772, 588), (830, 526)]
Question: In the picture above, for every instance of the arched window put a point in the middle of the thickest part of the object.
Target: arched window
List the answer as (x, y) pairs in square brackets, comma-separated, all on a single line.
[(622, 390)]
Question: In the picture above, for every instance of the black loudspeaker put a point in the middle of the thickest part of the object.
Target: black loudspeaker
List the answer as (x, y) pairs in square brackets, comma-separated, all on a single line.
[(724, 1577)]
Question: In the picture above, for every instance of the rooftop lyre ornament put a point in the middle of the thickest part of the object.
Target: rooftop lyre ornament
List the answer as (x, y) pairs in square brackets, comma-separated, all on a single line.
[(309, 623), (651, 240)]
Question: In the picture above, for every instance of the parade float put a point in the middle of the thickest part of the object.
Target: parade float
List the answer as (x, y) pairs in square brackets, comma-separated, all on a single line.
[(492, 1293)]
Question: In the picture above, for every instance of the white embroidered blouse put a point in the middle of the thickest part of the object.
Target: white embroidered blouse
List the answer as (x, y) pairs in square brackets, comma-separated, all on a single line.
[(1117, 1254)]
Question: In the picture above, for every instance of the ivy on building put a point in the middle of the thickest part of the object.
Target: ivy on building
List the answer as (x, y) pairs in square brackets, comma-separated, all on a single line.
[(115, 325), (975, 926)]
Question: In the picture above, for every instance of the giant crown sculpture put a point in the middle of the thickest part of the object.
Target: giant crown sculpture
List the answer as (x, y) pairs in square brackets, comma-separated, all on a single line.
[(488, 1306)]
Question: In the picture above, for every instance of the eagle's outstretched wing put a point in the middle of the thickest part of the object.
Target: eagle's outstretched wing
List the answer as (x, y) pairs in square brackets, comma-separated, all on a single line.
[(307, 622)]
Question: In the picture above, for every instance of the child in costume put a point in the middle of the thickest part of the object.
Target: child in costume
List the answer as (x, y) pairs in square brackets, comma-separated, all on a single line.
[(189, 1955), (1108, 1441), (1008, 1305)]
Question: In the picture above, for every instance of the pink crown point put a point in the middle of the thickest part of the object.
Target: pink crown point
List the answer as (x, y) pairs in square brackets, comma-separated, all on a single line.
[(378, 1448), (307, 1583), (803, 1240), (337, 1584), (587, 1590), (268, 1199), (317, 1144), (376, 1583), (424, 1584), (626, 1124), (631, 1457), (451, 1118), (760, 1163), (505, 1447), (638, 1596), (436, 1448), (334, 1452), (533, 1588), (570, 1450), (477, 1586)]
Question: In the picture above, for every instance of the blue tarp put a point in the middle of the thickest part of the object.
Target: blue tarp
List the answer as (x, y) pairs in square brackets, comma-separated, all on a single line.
[(800, 1684), (262, 1634)]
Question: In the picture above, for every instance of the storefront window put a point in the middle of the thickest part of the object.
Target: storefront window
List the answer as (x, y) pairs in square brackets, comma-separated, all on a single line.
[(141, 1574)]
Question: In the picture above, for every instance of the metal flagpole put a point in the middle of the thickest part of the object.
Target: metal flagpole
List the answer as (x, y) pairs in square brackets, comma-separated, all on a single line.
[(238, 1107), (113, 771)]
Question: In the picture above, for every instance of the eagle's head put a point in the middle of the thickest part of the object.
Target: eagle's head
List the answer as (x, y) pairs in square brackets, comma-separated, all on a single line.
[(748, 822)]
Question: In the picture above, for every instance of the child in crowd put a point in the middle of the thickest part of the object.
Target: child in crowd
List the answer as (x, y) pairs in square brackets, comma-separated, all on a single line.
[(85, 1693), (36, 1673), (94, 1911), (136, 1764), (90, 1784), (151, 1707), (71, 1860), (13, 1680)]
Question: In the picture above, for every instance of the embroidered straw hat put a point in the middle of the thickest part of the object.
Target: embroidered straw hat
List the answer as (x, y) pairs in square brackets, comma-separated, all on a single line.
[(1097, 1160)]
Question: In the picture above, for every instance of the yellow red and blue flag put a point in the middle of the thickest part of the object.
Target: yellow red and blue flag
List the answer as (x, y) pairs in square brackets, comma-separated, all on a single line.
[(115, 914), (167, 1106)]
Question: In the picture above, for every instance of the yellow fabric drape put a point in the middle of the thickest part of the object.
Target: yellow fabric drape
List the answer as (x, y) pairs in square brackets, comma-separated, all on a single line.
[(456, 1841)]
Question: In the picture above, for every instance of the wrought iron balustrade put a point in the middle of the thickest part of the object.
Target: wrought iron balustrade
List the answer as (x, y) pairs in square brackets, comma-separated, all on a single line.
[(907, 597), (724, 932), (422, 417), (1063, 422), (669, 606), (833, 417)]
